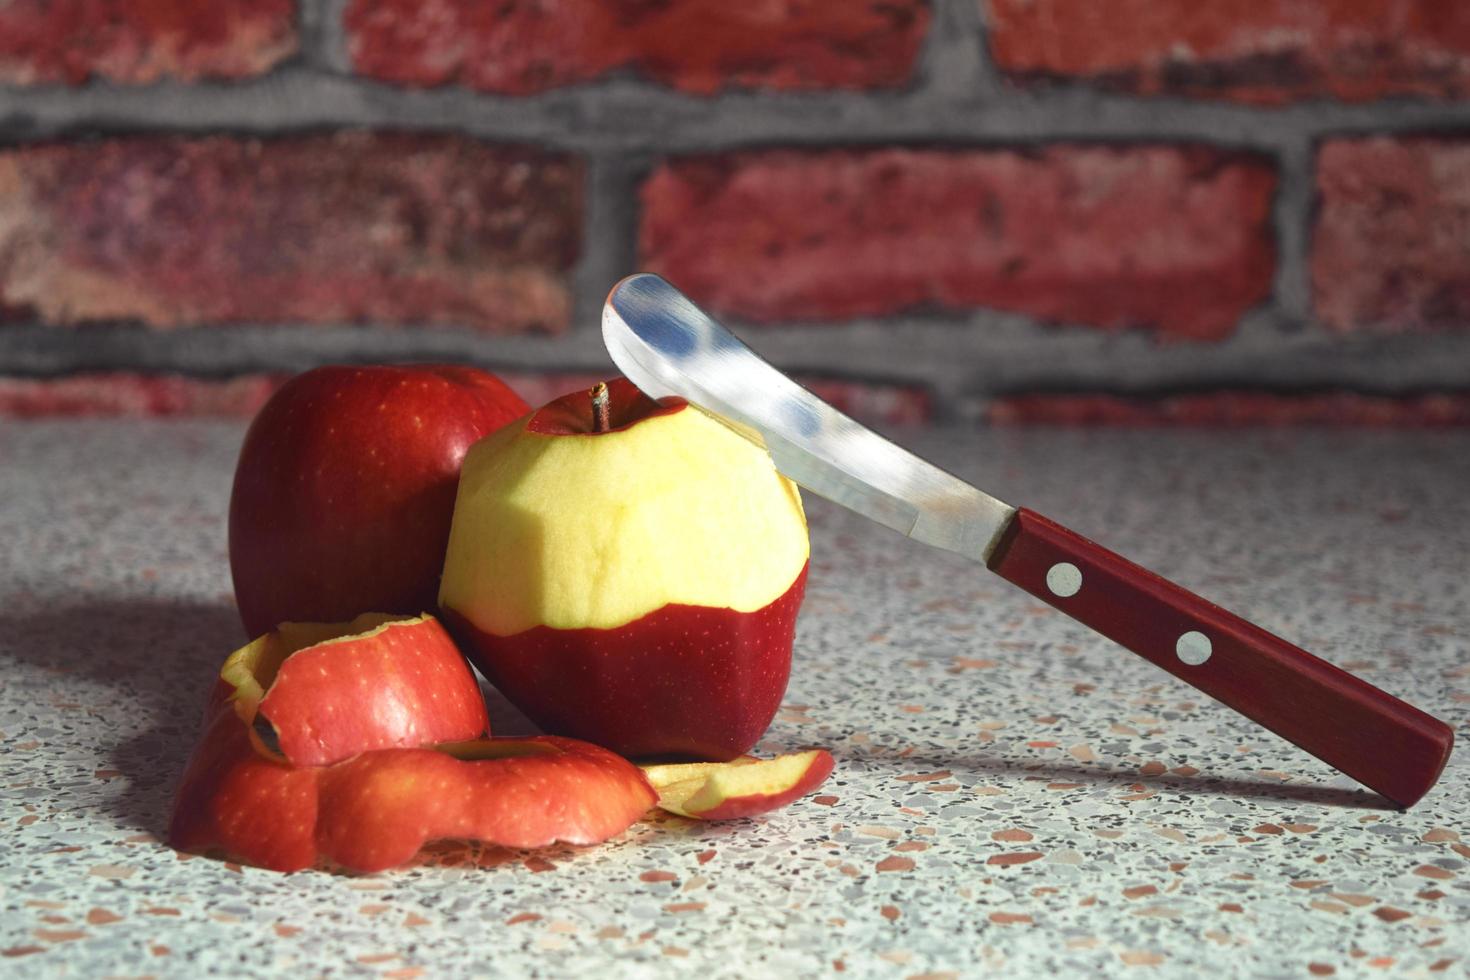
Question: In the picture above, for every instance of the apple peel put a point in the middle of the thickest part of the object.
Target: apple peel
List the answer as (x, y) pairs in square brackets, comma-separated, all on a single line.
[(677, 772), (742, 787), (559, 790), (376, 810), (327, 691)]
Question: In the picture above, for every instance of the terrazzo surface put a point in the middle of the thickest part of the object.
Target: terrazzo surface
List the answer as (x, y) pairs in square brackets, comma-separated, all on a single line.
[(1013, 795)]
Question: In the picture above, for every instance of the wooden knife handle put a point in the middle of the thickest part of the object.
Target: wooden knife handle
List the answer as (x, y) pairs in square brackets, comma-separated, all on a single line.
[(1380, 741)]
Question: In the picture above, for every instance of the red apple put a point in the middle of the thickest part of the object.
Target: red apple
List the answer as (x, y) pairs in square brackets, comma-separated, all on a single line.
[(632, 580), (345, 487), (328, 691), (742, 787), (375, 810)]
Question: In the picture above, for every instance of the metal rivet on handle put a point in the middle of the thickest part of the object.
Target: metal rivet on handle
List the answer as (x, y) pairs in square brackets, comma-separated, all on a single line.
[(1064, 579), (1194, 648)]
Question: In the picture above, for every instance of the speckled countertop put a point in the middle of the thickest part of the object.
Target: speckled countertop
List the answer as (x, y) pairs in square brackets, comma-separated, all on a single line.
[(1012, 795)]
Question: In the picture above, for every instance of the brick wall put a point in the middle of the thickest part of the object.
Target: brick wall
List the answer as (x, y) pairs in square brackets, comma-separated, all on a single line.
[(1135, 212)]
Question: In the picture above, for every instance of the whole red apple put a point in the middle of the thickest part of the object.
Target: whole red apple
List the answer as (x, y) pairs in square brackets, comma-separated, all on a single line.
[(629, 575), (345, 488)]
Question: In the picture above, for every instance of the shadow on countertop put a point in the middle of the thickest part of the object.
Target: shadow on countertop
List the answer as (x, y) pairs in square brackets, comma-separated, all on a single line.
[(1202, 784), (163, 657), (156, 660)]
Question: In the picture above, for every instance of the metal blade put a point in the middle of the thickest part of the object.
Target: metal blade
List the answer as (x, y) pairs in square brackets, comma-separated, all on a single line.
[(668, 346)]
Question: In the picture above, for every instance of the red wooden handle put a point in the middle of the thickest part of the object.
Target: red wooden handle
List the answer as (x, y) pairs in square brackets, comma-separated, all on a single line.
[(1380, 741)]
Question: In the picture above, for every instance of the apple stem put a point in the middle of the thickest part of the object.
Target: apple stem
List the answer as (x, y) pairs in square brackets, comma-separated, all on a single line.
[(600, 420)]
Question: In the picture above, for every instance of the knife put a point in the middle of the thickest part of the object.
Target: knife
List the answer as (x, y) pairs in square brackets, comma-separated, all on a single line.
[(668, 346)]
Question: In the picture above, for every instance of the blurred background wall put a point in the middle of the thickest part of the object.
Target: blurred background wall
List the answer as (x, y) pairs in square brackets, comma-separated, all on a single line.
[(1129, 211)]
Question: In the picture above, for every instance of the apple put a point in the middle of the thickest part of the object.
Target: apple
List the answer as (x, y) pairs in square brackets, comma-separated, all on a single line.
[(740, 788), (628, 574), (376, 810), (345, 486), (323, 692)]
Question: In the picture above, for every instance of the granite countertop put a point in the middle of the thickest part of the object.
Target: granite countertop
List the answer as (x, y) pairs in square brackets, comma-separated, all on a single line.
[(1012, 794)]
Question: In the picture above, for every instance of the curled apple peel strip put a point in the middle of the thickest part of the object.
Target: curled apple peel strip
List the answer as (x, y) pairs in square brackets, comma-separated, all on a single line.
[(378, 809), (357, 795)]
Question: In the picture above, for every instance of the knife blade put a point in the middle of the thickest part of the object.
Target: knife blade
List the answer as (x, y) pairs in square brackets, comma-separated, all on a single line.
[(667, 346)]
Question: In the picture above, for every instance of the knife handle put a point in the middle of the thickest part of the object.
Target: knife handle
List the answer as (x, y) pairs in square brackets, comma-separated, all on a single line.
[(1384, 743)]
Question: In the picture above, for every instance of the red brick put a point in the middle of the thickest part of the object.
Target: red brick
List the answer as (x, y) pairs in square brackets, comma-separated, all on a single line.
[(698, 46), (1391, 250), (1173, 237), (352, 227), (122, 394), (141, 41), (136, 395), (1261, 51), (1236, 409)]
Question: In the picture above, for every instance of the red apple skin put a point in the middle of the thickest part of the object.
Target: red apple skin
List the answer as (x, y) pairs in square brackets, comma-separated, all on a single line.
[(405, 686), (379, 809), (236, 800), (376, 810), (345, 488), (682, 682), (749, 806)]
